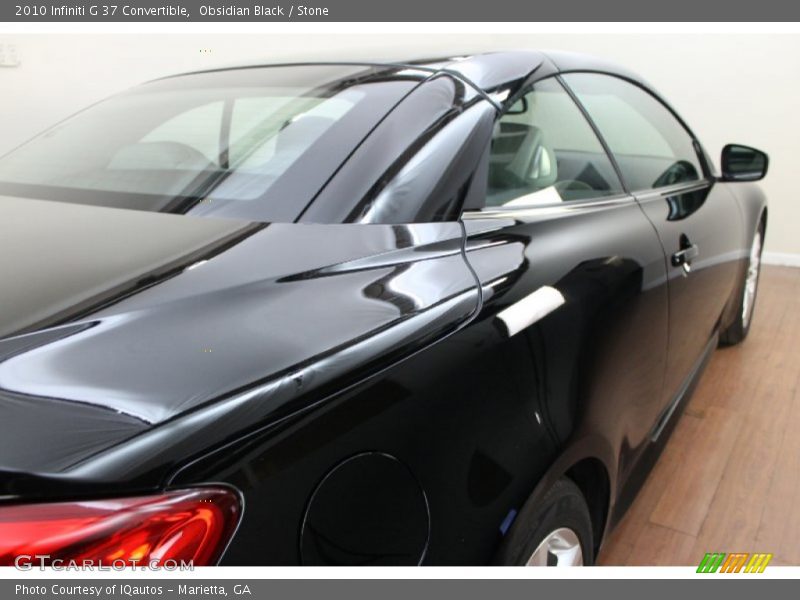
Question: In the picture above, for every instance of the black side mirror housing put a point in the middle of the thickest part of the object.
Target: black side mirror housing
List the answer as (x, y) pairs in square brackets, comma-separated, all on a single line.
[(742, 163)]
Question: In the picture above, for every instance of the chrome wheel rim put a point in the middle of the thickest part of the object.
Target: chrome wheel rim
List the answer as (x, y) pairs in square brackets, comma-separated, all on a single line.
[(751, 281), (561, 548)]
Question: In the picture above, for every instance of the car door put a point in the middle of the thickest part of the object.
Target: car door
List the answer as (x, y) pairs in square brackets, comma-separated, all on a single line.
[(567, 260), (697, 221)]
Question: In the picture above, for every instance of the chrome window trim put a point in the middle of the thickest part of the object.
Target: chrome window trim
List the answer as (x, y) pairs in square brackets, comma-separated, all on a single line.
[(566, 206), (673, 190)]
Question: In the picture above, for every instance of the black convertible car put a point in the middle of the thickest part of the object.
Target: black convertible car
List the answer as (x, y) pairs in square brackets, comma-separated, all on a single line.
[(435, 312)]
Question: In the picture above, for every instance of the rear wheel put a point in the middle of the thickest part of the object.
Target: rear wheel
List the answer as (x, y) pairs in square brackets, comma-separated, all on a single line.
[(560, 548), (556, 532), (738, 330)]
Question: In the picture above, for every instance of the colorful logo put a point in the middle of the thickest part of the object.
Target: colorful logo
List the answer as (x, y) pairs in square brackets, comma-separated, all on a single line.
[(737, 562)]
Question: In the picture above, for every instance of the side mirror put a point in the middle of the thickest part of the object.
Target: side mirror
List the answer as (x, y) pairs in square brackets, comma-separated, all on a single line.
[(742, 163), (519, 107)]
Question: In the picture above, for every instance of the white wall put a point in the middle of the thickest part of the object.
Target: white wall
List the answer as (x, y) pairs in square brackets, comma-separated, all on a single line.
[(730, 88)]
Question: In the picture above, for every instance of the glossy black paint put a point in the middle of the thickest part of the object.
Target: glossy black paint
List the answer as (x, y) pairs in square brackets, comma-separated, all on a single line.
[(347, 371), (370, 485)]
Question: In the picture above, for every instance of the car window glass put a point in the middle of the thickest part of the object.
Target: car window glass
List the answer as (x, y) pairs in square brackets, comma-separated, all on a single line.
[(268, 136), (544, 151), (650, 145), (241, 143), (197, 128), (251, 147)]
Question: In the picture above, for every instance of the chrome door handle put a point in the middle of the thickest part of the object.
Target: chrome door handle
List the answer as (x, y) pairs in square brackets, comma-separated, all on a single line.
[(684, 257)]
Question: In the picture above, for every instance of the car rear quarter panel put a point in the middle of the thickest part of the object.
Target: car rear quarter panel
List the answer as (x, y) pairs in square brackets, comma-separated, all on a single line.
[(478, 418)]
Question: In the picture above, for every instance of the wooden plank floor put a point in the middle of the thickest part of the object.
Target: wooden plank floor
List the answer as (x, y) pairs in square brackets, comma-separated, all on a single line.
[(729, 477)]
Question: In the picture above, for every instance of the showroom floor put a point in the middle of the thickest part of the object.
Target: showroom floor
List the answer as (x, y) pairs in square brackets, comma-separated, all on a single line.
[(729, 477)]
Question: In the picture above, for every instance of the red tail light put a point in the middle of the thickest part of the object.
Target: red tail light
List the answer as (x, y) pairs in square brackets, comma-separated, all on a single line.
[(181, 526)]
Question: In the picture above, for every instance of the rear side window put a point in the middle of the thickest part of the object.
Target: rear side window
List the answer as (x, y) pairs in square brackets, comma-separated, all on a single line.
[(650, 145), (544, 151)]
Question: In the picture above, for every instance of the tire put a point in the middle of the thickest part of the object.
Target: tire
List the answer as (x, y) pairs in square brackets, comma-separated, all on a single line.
[(738, 330), (550, 532)]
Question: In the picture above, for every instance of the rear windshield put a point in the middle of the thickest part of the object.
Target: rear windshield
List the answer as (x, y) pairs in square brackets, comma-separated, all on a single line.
[(253, 143)]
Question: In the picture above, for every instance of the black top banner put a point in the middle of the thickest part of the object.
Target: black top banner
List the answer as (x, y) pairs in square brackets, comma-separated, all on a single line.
[(399, 11)]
